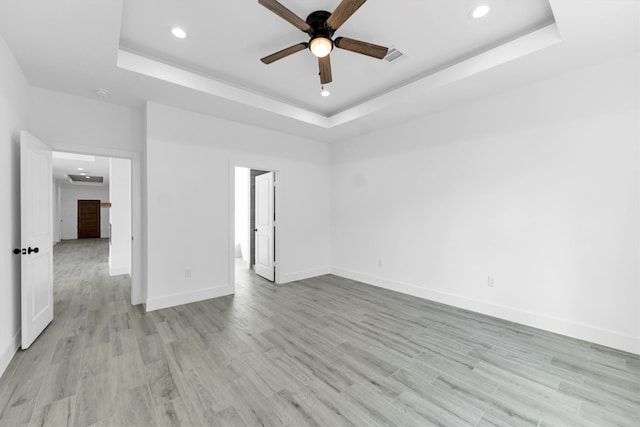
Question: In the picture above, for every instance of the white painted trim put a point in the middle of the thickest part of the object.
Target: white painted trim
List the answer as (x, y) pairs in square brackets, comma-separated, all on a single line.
[(118, 271), (509, 51), (306, 274), (9, 351), (188, 297), (232, 225), (137, 63), (638, 169), (281, 223), (560, 326)]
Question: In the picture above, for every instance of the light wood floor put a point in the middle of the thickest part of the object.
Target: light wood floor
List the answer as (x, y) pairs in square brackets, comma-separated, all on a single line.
[(324, 351)]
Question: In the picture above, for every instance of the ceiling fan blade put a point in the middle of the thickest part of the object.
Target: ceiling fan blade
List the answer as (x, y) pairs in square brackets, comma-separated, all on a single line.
[(284, 52), (325, 70), (343, 12), (285, 14), (364, 48)]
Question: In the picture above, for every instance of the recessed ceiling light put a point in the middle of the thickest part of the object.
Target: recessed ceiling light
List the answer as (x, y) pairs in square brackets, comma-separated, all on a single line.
[(178, 32), (480, 11), (87, 177), (82, 173), (80, 169)]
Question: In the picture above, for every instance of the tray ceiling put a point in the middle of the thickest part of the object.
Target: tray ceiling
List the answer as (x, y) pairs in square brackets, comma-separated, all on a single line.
[(126, 47), (225, 41)]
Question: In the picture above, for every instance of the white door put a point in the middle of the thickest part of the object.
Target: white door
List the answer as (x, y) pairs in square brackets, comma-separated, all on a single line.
[(36, 181), (264, 242)]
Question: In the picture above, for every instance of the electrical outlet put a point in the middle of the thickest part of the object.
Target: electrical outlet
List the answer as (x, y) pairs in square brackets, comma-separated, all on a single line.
[(187, 273), (491, 282)]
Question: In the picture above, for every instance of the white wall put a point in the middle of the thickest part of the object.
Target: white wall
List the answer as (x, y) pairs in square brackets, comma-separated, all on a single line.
[(63, 120), (13, 114), (120, 216), (537, 187), (242, 212), (189, 204), (70, 196)]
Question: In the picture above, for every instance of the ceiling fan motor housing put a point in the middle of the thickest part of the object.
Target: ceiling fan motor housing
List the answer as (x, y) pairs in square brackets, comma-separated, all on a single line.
[(317, 20)]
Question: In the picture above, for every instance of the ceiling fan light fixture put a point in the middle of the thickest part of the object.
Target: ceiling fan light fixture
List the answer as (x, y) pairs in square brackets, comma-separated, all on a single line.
[(320, 46), (321, 25), (324, 92)]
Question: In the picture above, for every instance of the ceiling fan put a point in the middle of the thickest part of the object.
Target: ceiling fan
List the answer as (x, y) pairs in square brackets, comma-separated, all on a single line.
[(320, 26)]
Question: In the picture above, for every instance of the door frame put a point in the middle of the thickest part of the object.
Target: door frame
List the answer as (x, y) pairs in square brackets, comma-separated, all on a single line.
[(232, 216), (138, 267)]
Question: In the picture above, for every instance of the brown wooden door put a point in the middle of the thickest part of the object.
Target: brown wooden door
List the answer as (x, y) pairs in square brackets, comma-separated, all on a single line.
[(88, 219)]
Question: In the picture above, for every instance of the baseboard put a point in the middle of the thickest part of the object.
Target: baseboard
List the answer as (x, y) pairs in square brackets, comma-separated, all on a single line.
[(560, 326), (158, 303), (137, 299), (305, 274), (118, 271), (9, 351)]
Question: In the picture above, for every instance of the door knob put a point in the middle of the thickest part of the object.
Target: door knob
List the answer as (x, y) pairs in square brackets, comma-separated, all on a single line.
[(36, 250), (16, 251)]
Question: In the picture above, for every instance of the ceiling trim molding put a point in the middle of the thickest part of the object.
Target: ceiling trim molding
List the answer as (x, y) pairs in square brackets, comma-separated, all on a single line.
[(509, 51), (153, 68), (506, 52)]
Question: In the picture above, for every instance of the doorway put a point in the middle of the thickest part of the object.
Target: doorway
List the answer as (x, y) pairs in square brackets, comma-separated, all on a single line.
[(254, 216), (93, 199), (88, 219)]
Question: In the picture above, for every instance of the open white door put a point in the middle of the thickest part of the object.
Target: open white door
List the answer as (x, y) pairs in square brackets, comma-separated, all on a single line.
[(36, 181), (265, 244)]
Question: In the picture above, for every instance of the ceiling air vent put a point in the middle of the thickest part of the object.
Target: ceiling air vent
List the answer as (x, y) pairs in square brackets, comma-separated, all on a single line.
[(86, 178), (393, 55)]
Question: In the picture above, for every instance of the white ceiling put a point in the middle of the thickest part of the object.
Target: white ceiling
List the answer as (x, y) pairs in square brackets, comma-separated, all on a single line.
[(126, 47), (65, 164), (226, 39)]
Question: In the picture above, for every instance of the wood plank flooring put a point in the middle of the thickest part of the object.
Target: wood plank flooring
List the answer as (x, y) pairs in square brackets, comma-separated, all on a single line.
[(319, 352)]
